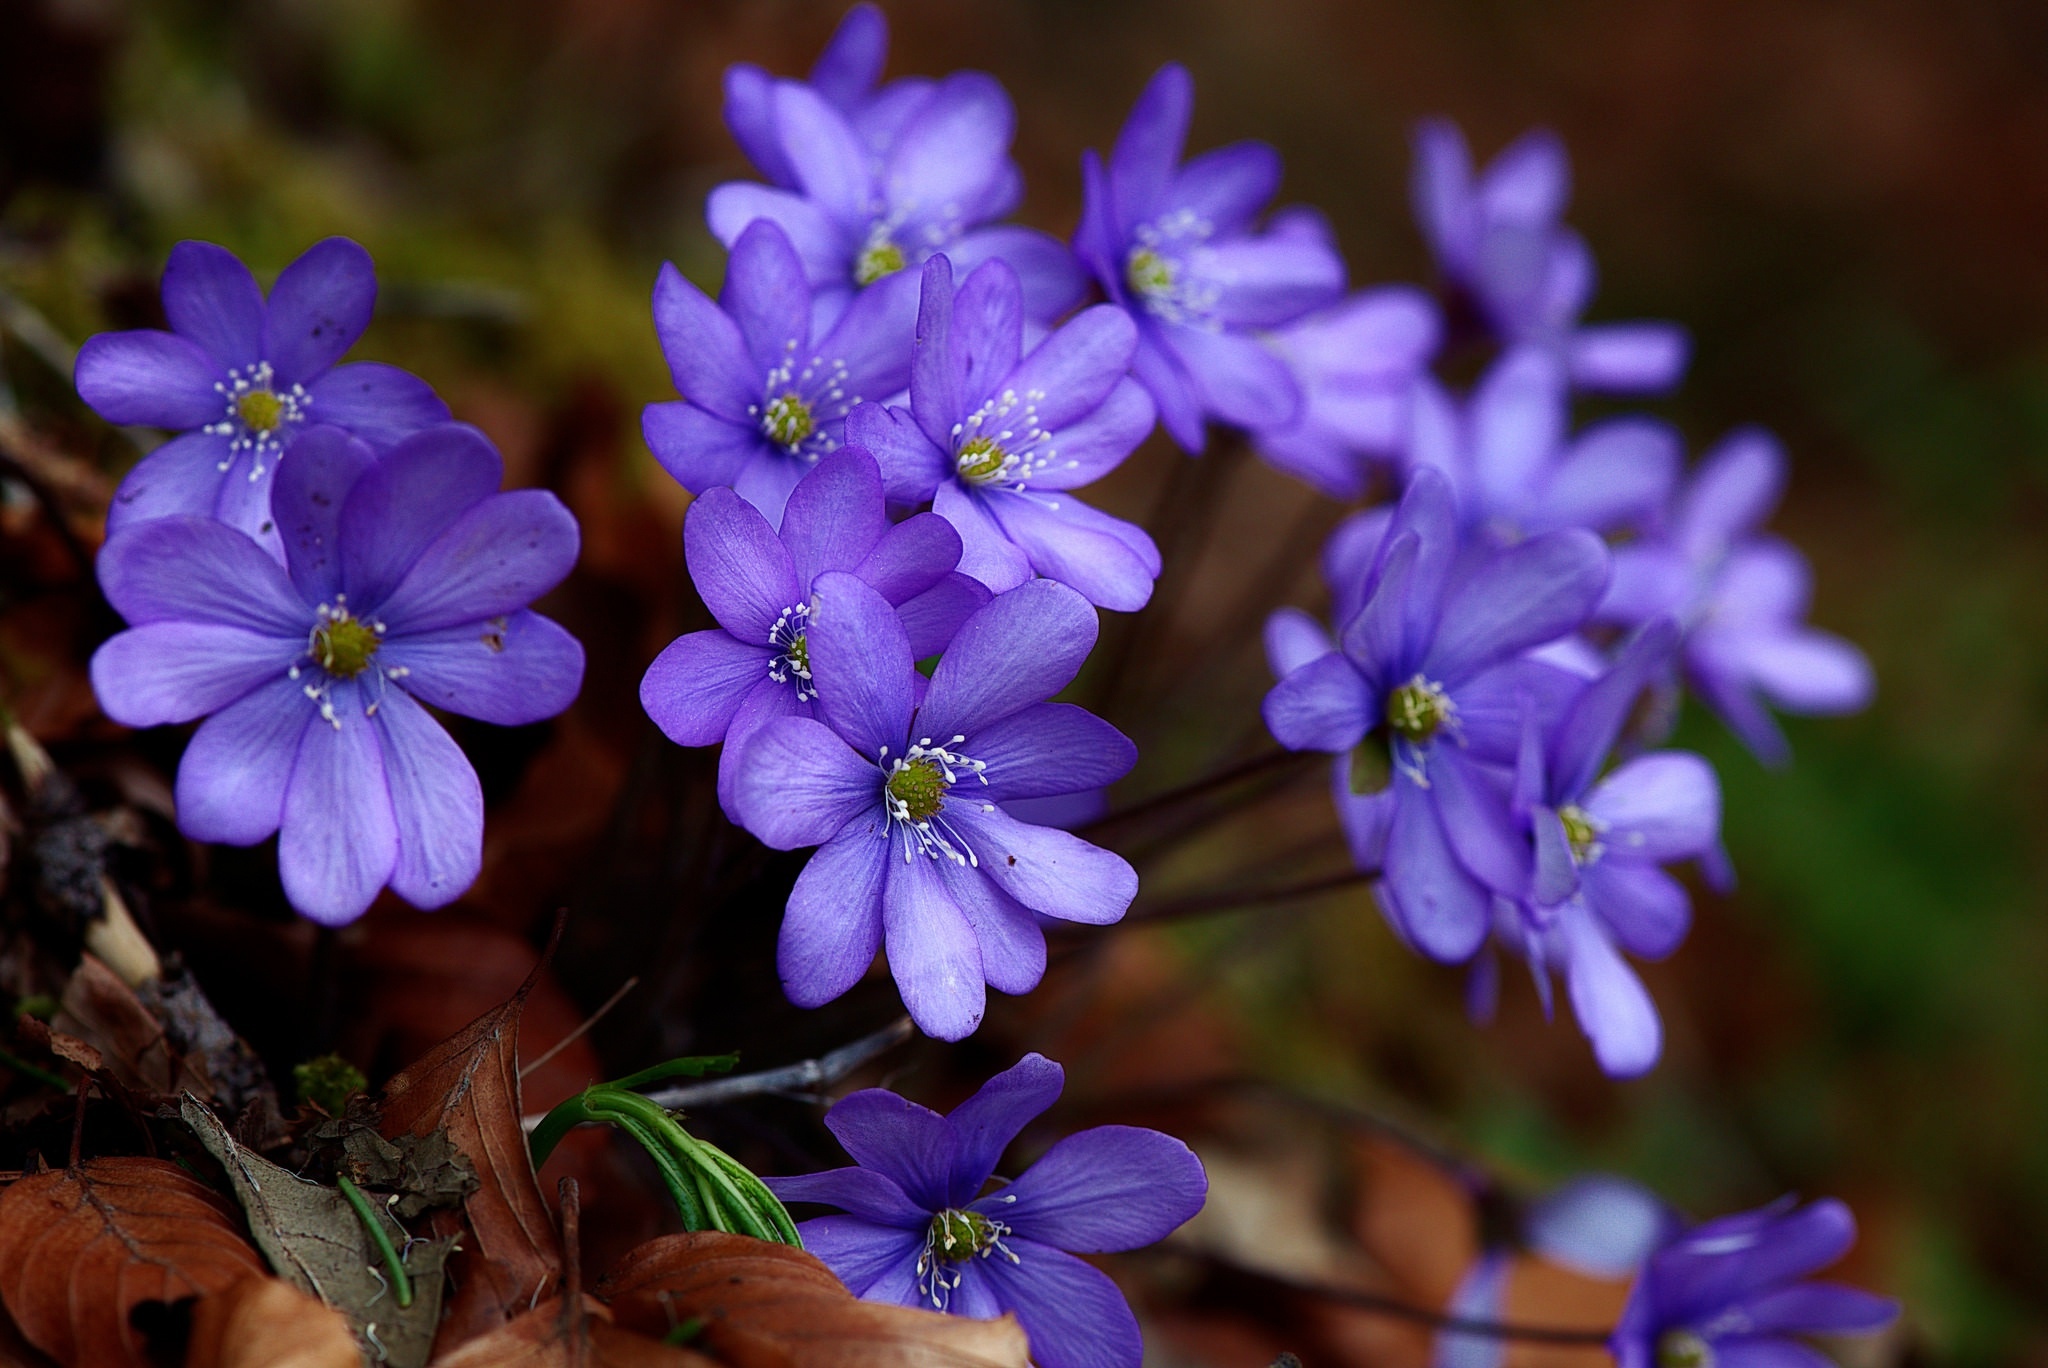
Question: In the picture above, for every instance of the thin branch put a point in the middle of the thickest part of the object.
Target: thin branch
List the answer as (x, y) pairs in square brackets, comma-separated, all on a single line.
[(1199, 788), (1208, 904), (566, 1041), (808, 1075)]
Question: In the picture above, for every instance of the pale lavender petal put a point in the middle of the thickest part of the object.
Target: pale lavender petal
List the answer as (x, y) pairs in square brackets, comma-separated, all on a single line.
[(1599, 1225), (1442, 909), (508, 670), (1227, 186), (830, 166), (799, 784), (852, 61), (1646, 909), (1629, 358), (1531, 593), (950, 159), (399, 506), (699, 449), (210, 298), (912, 467), (1528, 181), (1097, 443), (762, 703), (1478, 1297), (306, 500), (768, 296), (1365, 817), (1734, 489), (1613, 1008), (1023, 648), (1066, 544), (1105, 1189), (1171, 388), (183, 476), (1581, 741), (1659, 807), (750, 118), (1048, 749), (1293, 638), (695, 685), (338, 840), (1051, 279), (1239, 381), (1473, 810), (1147, 152), (1077, 366), (833, 924), (986, 1123), (742, 571), (318, 308), (861, 665), (232, 778), (1821, 1308), (933, 954), (1325, 705), (707, 356), (1046, 869), (380, 404), (835, 518), (822, 245), (1806, 671), (1557, 874), (1072, 1313), (175, 671), (1518, 423), (501, 555), (932, 619), (1010, 941), (1649, 578), (986, 552), (153, 378), (1263, 282), (861, 1192), (436, 801), (1440, 189), (198, 570)]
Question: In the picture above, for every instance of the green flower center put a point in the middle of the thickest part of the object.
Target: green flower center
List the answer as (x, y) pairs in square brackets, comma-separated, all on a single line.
[(1684, 1349), (957, 1236), (788, 421), (1150, 275), (918, 787), (260, 410), (1418, 710), (1581, 831), (981, 460), (343, 645), (879, 258), (800, 654)]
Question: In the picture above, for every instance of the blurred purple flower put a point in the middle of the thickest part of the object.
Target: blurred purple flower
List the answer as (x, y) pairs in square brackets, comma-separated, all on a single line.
[(903, 798), (723, 684), (1741, 597), (1728, 1293), (1432, 667), (405, 581), (919, 1232), (1499, 243), (1357, 364), (869, 181), (1173, 243), (994, 435), (761, 402), (238, 377)]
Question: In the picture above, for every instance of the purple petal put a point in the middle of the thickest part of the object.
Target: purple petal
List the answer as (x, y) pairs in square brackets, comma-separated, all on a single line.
[(1478, 1297), (1077, 366), (436, 801), (1557, 874), (833, 924), (1629, 358), (1745, 1351), (211, 299), (872, 338), (175, 671), (1050, 277), (1008, 937), (852, 61), (1529, 181), (1613, 1008), (380, 404), (707, 356), (1476, 822), (1325, 705), (318, 308), (877, 1263), (861, 665), (1531, 593), (153, 378), (950, 159), (694, 686), (986, 552), (936, 400), (183, 476), (1804, 671), (1646, 909), (760, 704), (1227, 186), (799, 784), (1072, 1313), (1440, 190), (1601, 1226), (820, 244), (1820, 1308), (933, 953), (402, 503), (1518, 422), (1105, 1189), (750, 118), (1148, 149), (1049, 749), (1048, 870), (768, 296), (912, 1145), (1023, 648), (306, 500), (499, 556), (1238, 380), (1266, 281), (860, 1192), (1660, 807), (232, 778), (1618, 473), (986, 1123), (912, 467), (986, 336), (742, 571), (1365, 817), (910, 558), (1580, 744), (769, 479), (932, 619), (1734, 489), (830, 165), (338, 840), (1293, 639), (508, 670), (1097, 443), (199, 570), (1379, 637), (1442, 909), (1077, 545), (700, 450), (1160, 371), (835, 517)]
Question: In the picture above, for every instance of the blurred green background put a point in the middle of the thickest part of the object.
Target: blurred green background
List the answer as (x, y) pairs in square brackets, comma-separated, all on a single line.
[(1846, 201)]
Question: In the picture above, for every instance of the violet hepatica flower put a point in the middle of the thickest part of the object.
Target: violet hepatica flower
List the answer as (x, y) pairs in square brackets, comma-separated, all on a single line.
[(1432, 666), (1174, 243), (904, 800), (1357, 364), (1599, 844), (762, 401), (405, 582), (723, 684), (1499, 243), (995, 437), (1741, 596), (1726, 1294), (1515, 470), (238, 377), (919, 1231), (868, 182)]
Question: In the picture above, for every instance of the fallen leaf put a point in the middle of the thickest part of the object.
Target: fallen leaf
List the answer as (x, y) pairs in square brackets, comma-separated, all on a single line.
[(766, 1305), (551, 1336), (426, 1172), (209, 1045), (81, 1248), (313, 1237), (268, 1323), (105, 1013), (468, 1087)]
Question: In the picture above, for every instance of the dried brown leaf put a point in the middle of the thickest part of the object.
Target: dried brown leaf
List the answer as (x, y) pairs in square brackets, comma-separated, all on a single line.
[(105, 1013), (554, 1336), (82, 1248), (268, 1323), (766, 1305)]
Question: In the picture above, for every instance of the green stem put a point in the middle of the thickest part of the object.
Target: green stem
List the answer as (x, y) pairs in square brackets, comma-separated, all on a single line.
[(690, 1066), (401, 1285)]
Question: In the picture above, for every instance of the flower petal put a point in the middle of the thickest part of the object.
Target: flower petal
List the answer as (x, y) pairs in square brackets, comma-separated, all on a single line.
[(1324, 705), (985, 338), (830, 166), (1010, 941), (833, 924), (741, 569), (1097, 442), (232, 779), (436, 801), (306, 501), (861, 1192), (911, 558), (1275, 278), (1629, 358), (1155, 366), (1079, 546), (1473, 809), (820, 244), (1821, 1308), (1050, 278), (1227, 186), (183, 475), (1048, 870), (767, 295), (910, 1144), (1734, 488), (934, 954), (1660, 807), (399, 506), (175, 671), (986, 552), (149, 377), (1148, 148), (986, 1123), (1531, 593), (508, 670), (1613, 1007), (1644, 908), (1023, 648), (1237, 379), (861, 665), (1105, 1189), (380, 404), (876, 1262), (1518, 416), (1442, 909), (950, 162), (1072, 1313), (694, 686), (835, 518), (1806, 671), (799, 785), (707, 356), (750, 118), (318, 308), (210, 298), (1048, 749), (1077, 366), (198, 570), (911, 466), (1600, 1225), (872, 339), (1293, 638), (494, 560), (338, 840)]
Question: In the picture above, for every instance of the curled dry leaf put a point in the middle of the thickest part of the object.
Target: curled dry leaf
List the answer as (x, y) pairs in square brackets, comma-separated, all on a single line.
[(559, 1335), (267, 1323), (766, 1305), (81, 1248), (105, 1013)]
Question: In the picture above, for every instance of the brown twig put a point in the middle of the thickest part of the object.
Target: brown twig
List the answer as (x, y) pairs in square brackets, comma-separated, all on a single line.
[(1200, 788), (572, 1268), (566, 1041), (1206, 904)]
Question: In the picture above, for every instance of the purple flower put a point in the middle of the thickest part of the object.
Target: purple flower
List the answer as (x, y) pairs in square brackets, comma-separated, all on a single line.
[(761, 401), (1741, 597), (1501, 248), (1174, 244), (723, 684), (405, 582), (918, 1231), (868, 182), (994, 436), (1599, 844), (1728, 1293), (903, 796), (1357, 364), (1506, 453), (238, 378), (1431, 666)]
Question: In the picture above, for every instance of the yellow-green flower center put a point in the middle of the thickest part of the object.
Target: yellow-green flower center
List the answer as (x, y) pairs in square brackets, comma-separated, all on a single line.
[(1150, 275), (957, 1235), (800, 654), (343, 645), (1418, 710), (259, 410), (879, 258), (981, 460), (788, 421), (919, 787), (1684, 1349), (1581, 831)]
